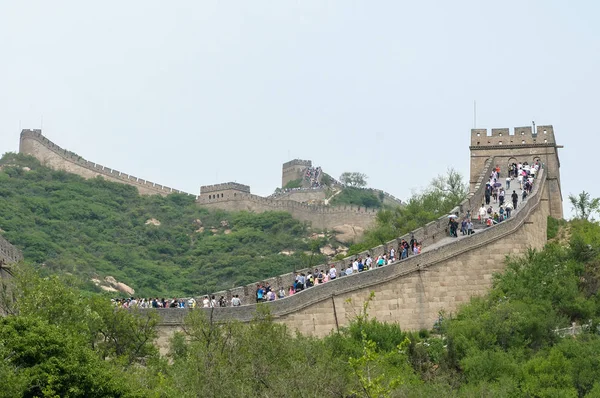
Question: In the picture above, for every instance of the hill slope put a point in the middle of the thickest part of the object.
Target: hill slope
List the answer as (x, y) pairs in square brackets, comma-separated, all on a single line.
[(91, 228)]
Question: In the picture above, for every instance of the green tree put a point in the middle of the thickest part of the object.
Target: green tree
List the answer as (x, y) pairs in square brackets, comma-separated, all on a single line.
[(354, 179), (584, 205), (452, 186)]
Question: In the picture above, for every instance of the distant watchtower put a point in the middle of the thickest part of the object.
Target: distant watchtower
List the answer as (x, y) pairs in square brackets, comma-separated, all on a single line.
[(522, 146), (293, 169), (228, 190)]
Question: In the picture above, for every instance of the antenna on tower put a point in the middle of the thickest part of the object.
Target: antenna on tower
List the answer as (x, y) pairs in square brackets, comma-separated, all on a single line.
[(533, 122)]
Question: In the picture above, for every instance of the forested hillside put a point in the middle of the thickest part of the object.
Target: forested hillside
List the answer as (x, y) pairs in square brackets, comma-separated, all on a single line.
[(164, 246), (510, 343)]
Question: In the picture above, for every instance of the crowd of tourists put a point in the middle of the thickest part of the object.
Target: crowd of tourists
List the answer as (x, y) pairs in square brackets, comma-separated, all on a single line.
[(312, 174), (306, 280), (496, 192), (207, 302), (139, 302)]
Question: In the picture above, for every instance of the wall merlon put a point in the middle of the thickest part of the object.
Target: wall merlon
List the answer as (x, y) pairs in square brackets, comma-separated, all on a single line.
[(519, 136), (500, 132), (223, 187), (297, 162)]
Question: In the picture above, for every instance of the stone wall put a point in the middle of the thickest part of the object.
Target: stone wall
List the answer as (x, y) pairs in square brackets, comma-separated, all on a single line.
[(51, 155), (410, 292), (323, 217), (293, 170), (303, 195), (8, 253)]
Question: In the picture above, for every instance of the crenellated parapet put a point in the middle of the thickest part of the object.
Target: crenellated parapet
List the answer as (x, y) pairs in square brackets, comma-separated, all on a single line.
[(543, 136), (224, 187), (297, 162), (49, 154)]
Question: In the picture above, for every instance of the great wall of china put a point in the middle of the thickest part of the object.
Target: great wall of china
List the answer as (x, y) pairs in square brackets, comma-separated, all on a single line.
[(227, 196), (8, 255), (448, 272), (413, 291)]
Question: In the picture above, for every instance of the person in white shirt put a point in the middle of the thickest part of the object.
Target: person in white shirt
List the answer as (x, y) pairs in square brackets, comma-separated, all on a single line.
[(332, 272), (392, 254), (206, 302), (235, 301), (482, 214), (355, 265), (368, 262)]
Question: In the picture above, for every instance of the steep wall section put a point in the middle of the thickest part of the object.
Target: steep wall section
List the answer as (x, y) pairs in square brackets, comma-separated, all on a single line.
[(51, 155), (428, 235), (319, 216), (302, 195), (410, 292), (8, 253)]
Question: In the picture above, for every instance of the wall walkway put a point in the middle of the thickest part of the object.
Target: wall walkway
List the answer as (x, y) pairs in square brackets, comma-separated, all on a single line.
[(51, 155), (410, 292)]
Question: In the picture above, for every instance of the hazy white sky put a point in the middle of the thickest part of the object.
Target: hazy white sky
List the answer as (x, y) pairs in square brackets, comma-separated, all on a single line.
[(191, 93)]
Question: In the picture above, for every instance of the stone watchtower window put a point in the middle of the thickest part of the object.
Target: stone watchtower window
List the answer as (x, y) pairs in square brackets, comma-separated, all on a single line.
[(545, 132), (478, 134), (522, 142), (500, 143)]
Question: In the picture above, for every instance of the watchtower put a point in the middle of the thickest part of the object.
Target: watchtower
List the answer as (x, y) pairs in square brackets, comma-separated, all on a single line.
[(293, 170), (228, 190), (523, 145)]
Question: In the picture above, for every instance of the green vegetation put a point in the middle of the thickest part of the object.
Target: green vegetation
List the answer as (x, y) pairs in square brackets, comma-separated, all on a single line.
[(354, 179), (508, 343), (443, 194), (584, 205), (554, 226), (66, 224), (293, 184), (357, 197), (326, 180)]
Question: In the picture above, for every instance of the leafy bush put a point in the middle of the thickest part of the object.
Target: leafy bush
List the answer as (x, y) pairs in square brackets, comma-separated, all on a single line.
[(358, 197), (293, 184)]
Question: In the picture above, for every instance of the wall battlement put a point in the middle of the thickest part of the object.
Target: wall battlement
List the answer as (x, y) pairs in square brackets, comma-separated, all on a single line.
[(544, 135), (297, 162), (282, 204), (224, 186), (322, 217), (49, 154)]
